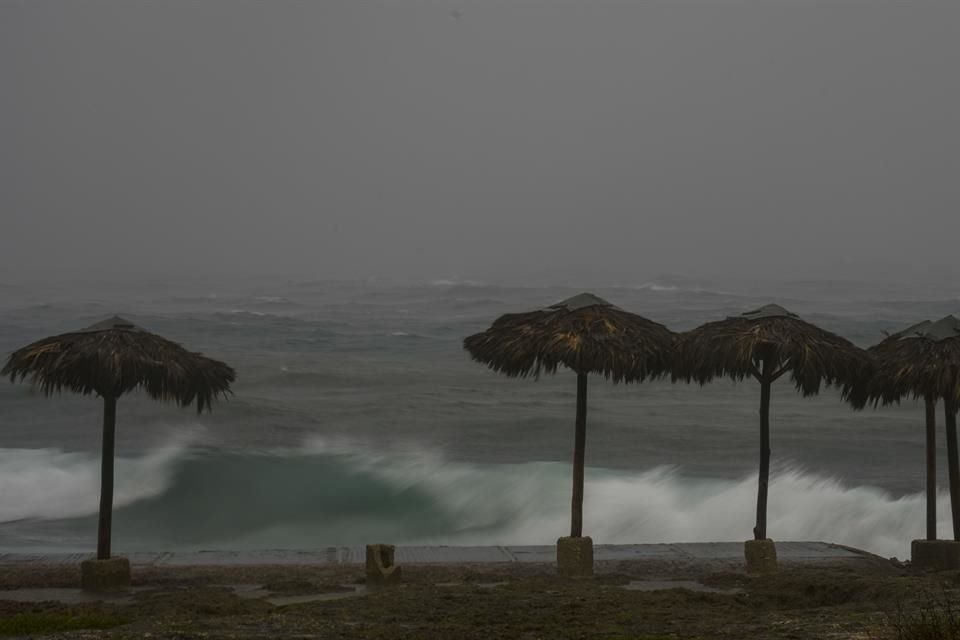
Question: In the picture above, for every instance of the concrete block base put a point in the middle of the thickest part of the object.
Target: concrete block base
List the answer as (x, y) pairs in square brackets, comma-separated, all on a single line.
[(761, 556), (380, 566), (937, 555), (575, 557), (105, 575)]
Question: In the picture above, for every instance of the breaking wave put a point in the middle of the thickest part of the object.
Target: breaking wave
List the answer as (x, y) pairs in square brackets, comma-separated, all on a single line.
[(178, 497)]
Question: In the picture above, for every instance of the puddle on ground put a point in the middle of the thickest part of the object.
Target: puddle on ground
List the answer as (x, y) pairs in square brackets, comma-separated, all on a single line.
[(247, 590), (358, 590), (256, 591), (68, 596), (663, 585), (78, 596)]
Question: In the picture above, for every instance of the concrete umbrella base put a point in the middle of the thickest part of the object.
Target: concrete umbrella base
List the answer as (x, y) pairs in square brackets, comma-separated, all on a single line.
[(937, 555), (575, 557), (105, 575), (761, 556), (381, 568)]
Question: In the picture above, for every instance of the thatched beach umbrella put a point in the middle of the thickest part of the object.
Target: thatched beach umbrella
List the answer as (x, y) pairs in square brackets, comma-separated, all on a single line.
[(110, 359), (766, 344), (585, 334), (923, 362), (869, 391)]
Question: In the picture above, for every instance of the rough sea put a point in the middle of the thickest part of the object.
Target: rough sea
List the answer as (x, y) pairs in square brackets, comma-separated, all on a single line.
[(358, 417)]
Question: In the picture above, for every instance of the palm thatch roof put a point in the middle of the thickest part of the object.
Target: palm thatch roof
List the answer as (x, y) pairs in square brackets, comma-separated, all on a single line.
[(585, 333), (734, 348), (113, 357), (921, 361)]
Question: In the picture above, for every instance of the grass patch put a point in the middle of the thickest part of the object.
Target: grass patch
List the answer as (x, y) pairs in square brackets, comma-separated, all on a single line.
[(935, 617), (530, 603), (49, 622)]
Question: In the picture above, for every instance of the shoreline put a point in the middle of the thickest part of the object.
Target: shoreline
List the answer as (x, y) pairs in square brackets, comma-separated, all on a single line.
[(791, 552)]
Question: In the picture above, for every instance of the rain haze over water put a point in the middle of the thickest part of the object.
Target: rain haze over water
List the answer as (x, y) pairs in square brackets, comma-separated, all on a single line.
[(492, 140), (330, 196)]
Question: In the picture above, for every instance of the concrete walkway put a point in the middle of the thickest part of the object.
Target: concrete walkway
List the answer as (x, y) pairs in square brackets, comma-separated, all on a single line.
[(680, 553), (670, 562)]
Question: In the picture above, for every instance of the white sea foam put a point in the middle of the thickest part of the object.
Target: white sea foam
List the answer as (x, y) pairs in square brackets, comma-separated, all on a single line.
[(419, 496), (532, 507), (54, 484), (447, 282), (653, 286), (529, 503)]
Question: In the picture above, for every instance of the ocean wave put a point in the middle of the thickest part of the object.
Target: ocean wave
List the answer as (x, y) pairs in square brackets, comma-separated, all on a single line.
[(445, 282), (654, 286), (409, 335), (54, 484), (689, 289), (286, 377), (343, 492), (248, 312)]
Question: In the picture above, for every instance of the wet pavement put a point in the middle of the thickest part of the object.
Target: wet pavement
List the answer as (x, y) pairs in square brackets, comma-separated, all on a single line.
[(705, 556), (691, 552)]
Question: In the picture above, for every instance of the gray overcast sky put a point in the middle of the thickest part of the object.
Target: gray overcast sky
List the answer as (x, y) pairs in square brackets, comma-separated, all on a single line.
[(427, 139)]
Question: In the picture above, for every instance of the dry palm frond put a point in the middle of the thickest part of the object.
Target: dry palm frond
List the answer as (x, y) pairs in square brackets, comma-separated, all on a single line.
[(920, 362), (115, 357), (585, 334), (735, 348)]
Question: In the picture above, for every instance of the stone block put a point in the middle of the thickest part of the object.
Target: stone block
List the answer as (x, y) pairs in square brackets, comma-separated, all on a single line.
[(761, 556), (105, 575), (575, 557), (936, 555), (380, 566)]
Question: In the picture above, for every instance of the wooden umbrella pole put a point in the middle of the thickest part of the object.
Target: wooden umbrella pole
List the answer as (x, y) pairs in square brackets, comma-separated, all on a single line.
[(580, 442), (760, 530), (931, 406), (953, 462), (106, 477)]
